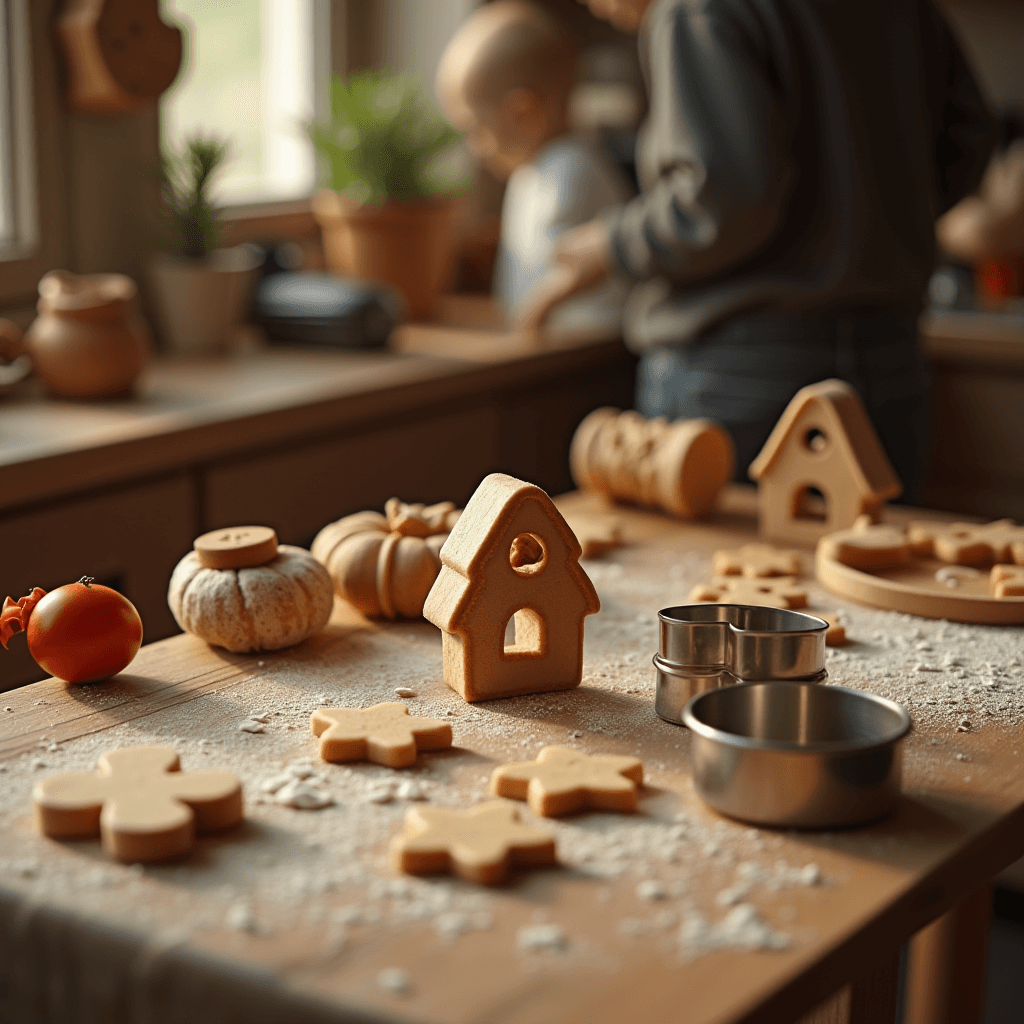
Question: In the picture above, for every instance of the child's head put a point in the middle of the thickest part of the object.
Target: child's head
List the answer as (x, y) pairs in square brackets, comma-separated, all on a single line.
[(623, 14), (505, 79)]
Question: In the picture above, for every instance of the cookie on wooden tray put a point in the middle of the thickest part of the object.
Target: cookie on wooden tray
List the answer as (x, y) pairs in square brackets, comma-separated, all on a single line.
[(140, 804), (1007, 580), (384, 734), (773, 592), (757, 560), (966, 543), (562, 781), (480, 844), (867, 545)]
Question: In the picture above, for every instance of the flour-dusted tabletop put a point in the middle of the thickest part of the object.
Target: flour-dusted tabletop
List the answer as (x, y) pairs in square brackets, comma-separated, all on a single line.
[(672, 913)]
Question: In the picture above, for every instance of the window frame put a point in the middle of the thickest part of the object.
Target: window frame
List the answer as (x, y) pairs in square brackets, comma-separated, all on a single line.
[(36, 129)]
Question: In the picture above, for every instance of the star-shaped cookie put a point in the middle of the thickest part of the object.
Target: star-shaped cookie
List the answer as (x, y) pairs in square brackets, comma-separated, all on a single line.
[(384, 734), (561, 781), (967, 543), (777, 592), (757, 560), (479, 844)]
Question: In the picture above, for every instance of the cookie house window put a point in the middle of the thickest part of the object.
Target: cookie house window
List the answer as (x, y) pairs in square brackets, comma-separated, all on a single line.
[(524, 633), (810, 505), (528, 555), (815, 440)]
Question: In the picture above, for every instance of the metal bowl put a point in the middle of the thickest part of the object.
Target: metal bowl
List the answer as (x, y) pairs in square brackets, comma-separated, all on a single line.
[(705, 646), (796, 754)]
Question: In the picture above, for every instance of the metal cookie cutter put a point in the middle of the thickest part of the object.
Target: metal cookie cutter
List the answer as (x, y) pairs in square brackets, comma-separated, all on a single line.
[(705, 646)]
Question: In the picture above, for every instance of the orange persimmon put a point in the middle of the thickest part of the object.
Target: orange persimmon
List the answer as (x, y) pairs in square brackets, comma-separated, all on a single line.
[(80, 633)]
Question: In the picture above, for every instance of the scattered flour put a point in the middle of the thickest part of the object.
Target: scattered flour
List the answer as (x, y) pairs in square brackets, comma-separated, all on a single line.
[(537, 937), (395, 980), (741, 928)]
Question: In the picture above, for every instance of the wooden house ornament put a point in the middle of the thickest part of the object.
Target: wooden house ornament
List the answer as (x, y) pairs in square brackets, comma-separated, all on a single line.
[(822, 467), (511, 556)]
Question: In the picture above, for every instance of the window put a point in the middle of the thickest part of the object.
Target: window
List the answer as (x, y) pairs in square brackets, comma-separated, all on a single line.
[(257, 72)]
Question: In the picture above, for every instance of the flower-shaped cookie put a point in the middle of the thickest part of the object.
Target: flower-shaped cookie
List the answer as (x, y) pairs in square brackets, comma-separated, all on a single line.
[(139, 802)]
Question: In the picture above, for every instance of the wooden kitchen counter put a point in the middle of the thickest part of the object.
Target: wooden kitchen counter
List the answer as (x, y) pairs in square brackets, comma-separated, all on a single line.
[(297, 912)]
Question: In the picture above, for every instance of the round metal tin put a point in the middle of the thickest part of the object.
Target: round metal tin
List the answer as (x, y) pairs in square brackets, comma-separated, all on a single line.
[(796, 755)]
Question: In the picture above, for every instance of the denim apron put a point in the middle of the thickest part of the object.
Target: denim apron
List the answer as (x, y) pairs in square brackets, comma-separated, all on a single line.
[(743, 372)]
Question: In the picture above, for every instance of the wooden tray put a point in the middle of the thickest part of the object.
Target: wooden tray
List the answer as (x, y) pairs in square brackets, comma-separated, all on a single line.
[(913, 588)]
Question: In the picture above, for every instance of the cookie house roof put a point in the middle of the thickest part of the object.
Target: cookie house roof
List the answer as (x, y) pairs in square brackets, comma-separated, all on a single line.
[(472, 543), (843, 411)]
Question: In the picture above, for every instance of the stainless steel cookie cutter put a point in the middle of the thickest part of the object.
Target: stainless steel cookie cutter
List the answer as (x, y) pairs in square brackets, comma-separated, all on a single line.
[(705, 646)]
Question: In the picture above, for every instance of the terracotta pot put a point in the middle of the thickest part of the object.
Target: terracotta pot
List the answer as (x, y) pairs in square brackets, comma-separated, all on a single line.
[(411, 244), (88, 340), (201, 302)]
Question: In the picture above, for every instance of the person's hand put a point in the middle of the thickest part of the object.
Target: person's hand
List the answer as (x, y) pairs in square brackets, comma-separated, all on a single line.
[(582, 260)]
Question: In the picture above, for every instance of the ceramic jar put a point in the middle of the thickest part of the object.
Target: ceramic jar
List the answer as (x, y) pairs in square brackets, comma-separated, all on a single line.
[(88, 340)]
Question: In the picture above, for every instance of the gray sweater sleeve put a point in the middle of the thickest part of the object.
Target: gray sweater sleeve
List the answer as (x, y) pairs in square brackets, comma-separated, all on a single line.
[(714, 163)]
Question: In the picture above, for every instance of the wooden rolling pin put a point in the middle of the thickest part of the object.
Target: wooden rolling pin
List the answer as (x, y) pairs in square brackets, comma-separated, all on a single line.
[(678, 467)]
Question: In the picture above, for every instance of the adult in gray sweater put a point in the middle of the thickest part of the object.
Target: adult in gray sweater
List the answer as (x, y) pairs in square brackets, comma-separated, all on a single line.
[(795, 159)]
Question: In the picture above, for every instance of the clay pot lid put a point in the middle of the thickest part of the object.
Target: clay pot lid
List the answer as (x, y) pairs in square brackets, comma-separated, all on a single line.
[(236, 547), (62, 290)]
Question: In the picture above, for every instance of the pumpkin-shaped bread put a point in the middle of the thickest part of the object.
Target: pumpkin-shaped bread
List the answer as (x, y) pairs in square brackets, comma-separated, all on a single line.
[(386, 564), (238, 589)]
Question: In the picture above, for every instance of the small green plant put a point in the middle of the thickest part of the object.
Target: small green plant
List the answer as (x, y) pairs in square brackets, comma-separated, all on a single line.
[(187, 174), (383, 140)]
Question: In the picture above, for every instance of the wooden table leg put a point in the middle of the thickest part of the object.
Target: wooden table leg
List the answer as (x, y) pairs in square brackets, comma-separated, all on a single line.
[(947, 964), (872, 999)]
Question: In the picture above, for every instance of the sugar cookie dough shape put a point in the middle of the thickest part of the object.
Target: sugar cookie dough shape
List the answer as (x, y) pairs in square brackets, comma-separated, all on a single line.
[(561, 781), (824, 441), (240, 590), (511, 556), (479, 844), (384, 734), (757, 561), (773, 592), (139, 802)]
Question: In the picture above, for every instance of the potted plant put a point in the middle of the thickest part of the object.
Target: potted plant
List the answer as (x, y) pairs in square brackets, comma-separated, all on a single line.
[(390, 213), (201, 291)]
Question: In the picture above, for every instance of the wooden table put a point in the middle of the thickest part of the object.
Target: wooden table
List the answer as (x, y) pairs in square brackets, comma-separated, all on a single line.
[(298, 911)]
